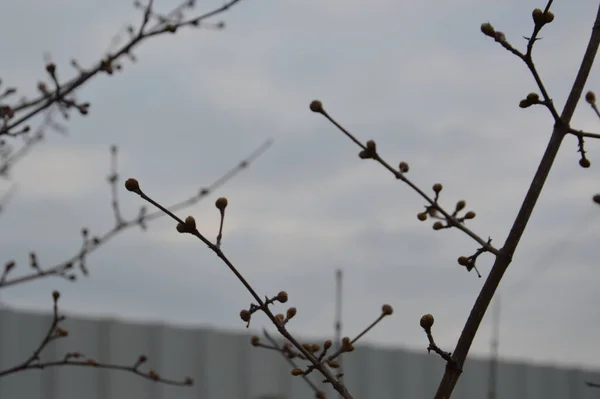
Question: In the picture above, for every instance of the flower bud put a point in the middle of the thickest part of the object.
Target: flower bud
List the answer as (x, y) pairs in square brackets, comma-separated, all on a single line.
[(422, 216), (585, 163), (255, 340), (221, 203), (387, 309), (463, 260), (437, 187), (291, 312), (403, 167), (487, 29), (190, 223), (427, 321), (590, 97), (538, 16), (245, 315), (470, 215), (51, 68), (533, 97), (525, 103), (317, 106), (438, 225), (282, 297), (132, 185)]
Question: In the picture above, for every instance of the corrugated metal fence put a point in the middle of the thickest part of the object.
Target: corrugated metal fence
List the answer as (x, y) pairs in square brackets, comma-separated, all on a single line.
[(226, 366)]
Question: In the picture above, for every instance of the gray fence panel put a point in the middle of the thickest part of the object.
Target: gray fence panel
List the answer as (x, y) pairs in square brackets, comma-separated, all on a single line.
[(225, 366)]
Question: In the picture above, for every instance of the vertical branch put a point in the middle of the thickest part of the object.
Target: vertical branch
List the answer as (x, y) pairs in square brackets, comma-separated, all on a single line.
[(504, 258)]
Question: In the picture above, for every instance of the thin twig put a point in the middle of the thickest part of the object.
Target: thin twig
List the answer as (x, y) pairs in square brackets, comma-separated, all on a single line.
[(62, 269), (76, 359), (189, 226)]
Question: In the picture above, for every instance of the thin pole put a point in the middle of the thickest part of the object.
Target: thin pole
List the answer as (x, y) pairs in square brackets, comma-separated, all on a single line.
[(338, 315), (494, 344)]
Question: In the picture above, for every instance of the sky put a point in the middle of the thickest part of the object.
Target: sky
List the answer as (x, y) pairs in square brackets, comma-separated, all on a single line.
[(417, 77)]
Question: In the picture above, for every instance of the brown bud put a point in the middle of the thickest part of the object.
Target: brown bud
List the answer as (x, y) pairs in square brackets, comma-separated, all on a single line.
[(470, 215), (364, 154), (317, 106), (427, 321), (596, 198), (371, 145), (499, 36), (438, 225), (437, 187), (460, 205), (585, 163), (314, 348), (171, 28), (387, 309), (525, 103), (282, 297), (190, 223), (403, 167), (422, 216), (221, 203), (334, 364), (346, 341), (538, 16), (182, 228), (291, 312), (142, 359), (9, 266), (463, 260), (533, 97), (590, 97), (153, 375), (548, 17), (132, 185), (327, 344), (61, 332), (55, 295), (487, 29), (51, 68), (280, 317), (255, 340), (297, 371), (245, 315)]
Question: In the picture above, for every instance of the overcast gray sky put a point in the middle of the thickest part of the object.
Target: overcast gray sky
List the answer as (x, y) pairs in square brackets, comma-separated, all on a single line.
[(418, 77)]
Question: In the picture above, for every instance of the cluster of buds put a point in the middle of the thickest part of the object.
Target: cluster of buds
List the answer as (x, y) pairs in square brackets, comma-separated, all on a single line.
[(281, 297), (370, 150), (188, 226), (541, 18), (488, 30), (444, 223), (531, 99)]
